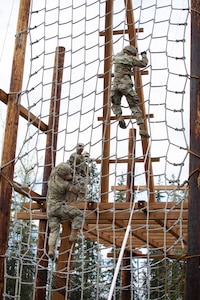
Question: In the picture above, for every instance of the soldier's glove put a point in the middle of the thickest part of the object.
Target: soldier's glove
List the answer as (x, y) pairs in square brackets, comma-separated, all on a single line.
[(143, 53)]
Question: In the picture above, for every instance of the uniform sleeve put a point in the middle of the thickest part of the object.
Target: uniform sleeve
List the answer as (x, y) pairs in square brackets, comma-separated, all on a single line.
[(70, 187), (140, 62), (131, 60), (74, 188), (63, 186)]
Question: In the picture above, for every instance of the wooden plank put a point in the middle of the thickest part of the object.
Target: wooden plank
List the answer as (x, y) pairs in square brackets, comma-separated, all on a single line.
[(28, 193), (116, 32), (158, 257), (157, 187), (108, 216), (31, 118), (98, 206), (27, 115), (124, 161), (126, 117)]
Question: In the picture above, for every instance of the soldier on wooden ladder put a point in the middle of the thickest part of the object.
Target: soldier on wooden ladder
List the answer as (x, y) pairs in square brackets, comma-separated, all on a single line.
[(61, 191), (123, 86)]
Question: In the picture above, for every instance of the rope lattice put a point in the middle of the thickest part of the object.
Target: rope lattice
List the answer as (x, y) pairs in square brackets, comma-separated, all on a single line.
[(69, 108)]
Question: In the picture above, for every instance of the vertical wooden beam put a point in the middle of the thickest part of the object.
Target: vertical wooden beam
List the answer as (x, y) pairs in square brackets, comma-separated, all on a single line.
[(11, 130), (139, 90), (64, 265), (126, 276), (50, 158), (106, 103), (131, 166), (193, 261)]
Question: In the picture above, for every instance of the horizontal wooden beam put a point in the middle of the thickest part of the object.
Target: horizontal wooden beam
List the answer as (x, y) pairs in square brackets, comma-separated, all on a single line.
[(126, 117), (144, 188), (121, 31), (107, 216), (125, 160), (100, 207), (160, 256)]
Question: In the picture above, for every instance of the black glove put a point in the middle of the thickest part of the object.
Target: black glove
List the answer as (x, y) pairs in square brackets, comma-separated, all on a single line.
[(144, 52)]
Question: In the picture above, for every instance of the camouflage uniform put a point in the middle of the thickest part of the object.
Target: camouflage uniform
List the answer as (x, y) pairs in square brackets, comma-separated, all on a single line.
[(60, 193), (123, 85), (77, 163)]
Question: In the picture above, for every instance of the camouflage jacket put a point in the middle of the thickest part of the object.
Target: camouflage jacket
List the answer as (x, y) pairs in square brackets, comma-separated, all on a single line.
[(123, 65), (77, 163), (60, 190)]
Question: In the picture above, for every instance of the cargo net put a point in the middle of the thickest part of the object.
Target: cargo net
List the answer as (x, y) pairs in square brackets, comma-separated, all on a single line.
[(133, 249)]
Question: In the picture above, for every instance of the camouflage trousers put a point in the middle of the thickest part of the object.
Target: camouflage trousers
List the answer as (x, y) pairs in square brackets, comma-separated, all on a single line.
[(122, 89), (59, 212)]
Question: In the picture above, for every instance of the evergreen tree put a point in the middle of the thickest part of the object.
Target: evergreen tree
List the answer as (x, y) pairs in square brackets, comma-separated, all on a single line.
[(22, 244), (120, 196), (166, 278), (88, 279), (159, 194)]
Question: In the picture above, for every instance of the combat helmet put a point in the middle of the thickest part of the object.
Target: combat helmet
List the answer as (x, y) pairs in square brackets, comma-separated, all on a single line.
[(80, 146), (86, 154), (63, 169), (131, 49)]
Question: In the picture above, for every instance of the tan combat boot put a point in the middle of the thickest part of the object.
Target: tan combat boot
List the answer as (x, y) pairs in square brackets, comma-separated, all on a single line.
[(73, 235), (51, 252), (144, 134)]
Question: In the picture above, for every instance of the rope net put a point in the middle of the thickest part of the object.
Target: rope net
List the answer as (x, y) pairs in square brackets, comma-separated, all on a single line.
[(152, 264)]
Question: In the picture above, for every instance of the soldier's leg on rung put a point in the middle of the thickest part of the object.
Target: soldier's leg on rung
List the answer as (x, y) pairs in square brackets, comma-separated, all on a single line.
[(54, 225)]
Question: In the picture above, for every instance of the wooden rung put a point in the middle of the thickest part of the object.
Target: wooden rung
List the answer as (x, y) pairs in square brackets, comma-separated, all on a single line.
[(135, 252), (124, 161), (125, 117), (115, 32), (144, 188), (143, 72)]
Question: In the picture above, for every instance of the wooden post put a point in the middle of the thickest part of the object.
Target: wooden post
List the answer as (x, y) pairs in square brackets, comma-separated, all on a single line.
[(126, 276), (50, 157), (131, 166), (193, 261), (11, 130), (64, 265), (139, 90), (106, 103)]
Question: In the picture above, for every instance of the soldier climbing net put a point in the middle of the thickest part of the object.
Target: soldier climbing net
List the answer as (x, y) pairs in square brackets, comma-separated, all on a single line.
[(134, 238)]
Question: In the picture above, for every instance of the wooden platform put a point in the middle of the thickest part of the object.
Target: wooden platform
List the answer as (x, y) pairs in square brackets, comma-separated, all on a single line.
[(162, 225)]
